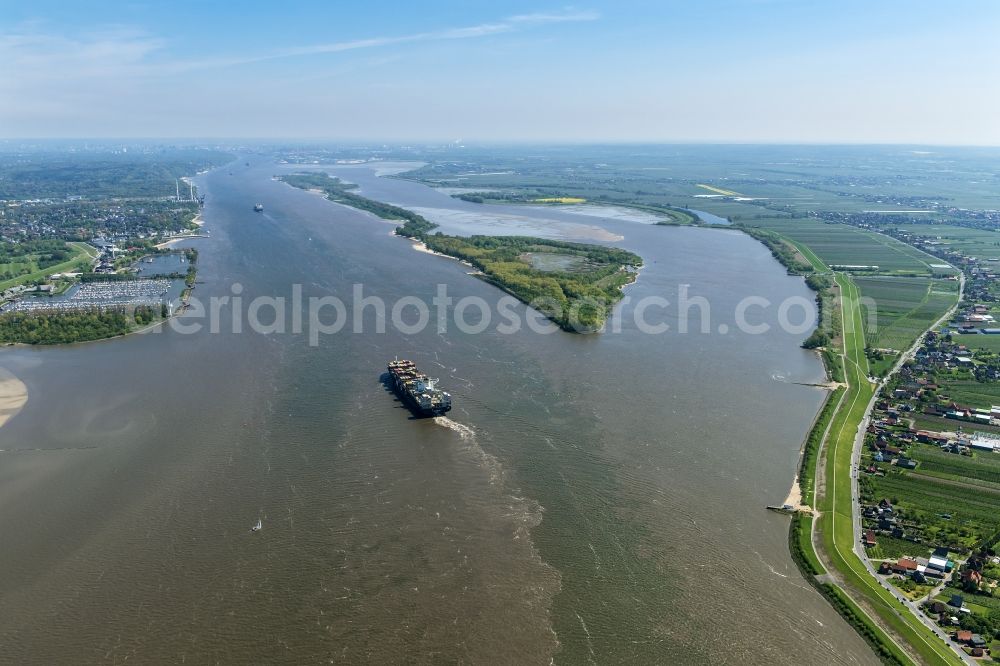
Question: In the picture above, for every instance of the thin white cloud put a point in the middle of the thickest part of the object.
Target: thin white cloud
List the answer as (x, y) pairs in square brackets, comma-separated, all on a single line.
[(510, 24), (123, 52), (61, 83), (563, 17), (55, 56)]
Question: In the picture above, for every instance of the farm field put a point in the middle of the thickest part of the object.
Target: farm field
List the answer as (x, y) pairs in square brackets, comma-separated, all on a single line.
[(903, 308), (972, 393), (941, 424), (841, 244), (796, 179), (891, 548), (982, 466), (718, 190), (974, 515), (979, 341), (981, 243)]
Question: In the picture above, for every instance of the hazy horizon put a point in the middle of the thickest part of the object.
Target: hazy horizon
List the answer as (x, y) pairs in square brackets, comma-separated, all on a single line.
[(722, 72), (349, 143)]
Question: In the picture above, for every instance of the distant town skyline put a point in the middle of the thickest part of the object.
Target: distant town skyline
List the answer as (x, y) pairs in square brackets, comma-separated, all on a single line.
[(760, 71)]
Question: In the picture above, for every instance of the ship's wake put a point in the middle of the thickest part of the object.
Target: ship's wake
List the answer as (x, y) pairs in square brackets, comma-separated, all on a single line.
[(467, 434), (519, 512), (472, 446), (526, 513)]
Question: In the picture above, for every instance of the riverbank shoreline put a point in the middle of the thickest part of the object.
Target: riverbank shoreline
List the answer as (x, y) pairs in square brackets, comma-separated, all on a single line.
[(198, 221), (421, 246), (666, 214), (177, 239), (794, 499), (13, 396), (140, 329)]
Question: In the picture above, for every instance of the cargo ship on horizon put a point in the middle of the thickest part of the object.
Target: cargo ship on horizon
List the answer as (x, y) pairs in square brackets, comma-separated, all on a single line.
[(417, 390)]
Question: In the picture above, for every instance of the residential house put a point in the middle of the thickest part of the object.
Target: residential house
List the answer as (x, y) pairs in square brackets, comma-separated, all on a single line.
[(938, 607), (972, 578)]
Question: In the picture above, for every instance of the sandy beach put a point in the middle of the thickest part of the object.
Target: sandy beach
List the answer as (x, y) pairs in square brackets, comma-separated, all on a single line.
[(13, 395), (420, 246), (198, 221), (794, 498), (176, 240)]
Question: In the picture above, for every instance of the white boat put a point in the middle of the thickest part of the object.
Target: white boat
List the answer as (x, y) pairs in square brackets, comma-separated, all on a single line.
[(257, 527)]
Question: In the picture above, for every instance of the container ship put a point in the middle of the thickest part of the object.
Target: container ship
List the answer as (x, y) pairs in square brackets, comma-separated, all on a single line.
[(418, 390)]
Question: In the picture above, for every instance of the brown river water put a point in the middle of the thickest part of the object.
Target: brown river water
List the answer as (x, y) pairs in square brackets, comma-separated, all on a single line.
[(590, 499)]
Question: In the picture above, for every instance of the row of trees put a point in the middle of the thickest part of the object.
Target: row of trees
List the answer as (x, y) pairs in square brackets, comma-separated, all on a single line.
[(48, 328), (782, 251), (483, 197), (674, 216), (192, 257), (414, 226), (789, 257)]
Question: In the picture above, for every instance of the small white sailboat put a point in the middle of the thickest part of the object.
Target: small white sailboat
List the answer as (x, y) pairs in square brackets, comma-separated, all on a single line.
[(257, 527)]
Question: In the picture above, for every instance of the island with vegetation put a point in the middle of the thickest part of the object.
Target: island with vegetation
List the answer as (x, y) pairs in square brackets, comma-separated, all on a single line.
[(669, 215), (914, 376), (576, 285)]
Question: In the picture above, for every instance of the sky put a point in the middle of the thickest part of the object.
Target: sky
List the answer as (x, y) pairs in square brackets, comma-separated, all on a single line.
[(755, 71)]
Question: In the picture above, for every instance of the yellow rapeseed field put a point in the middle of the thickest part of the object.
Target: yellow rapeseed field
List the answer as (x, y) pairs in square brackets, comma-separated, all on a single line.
[(562, 200), (717, 190)]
